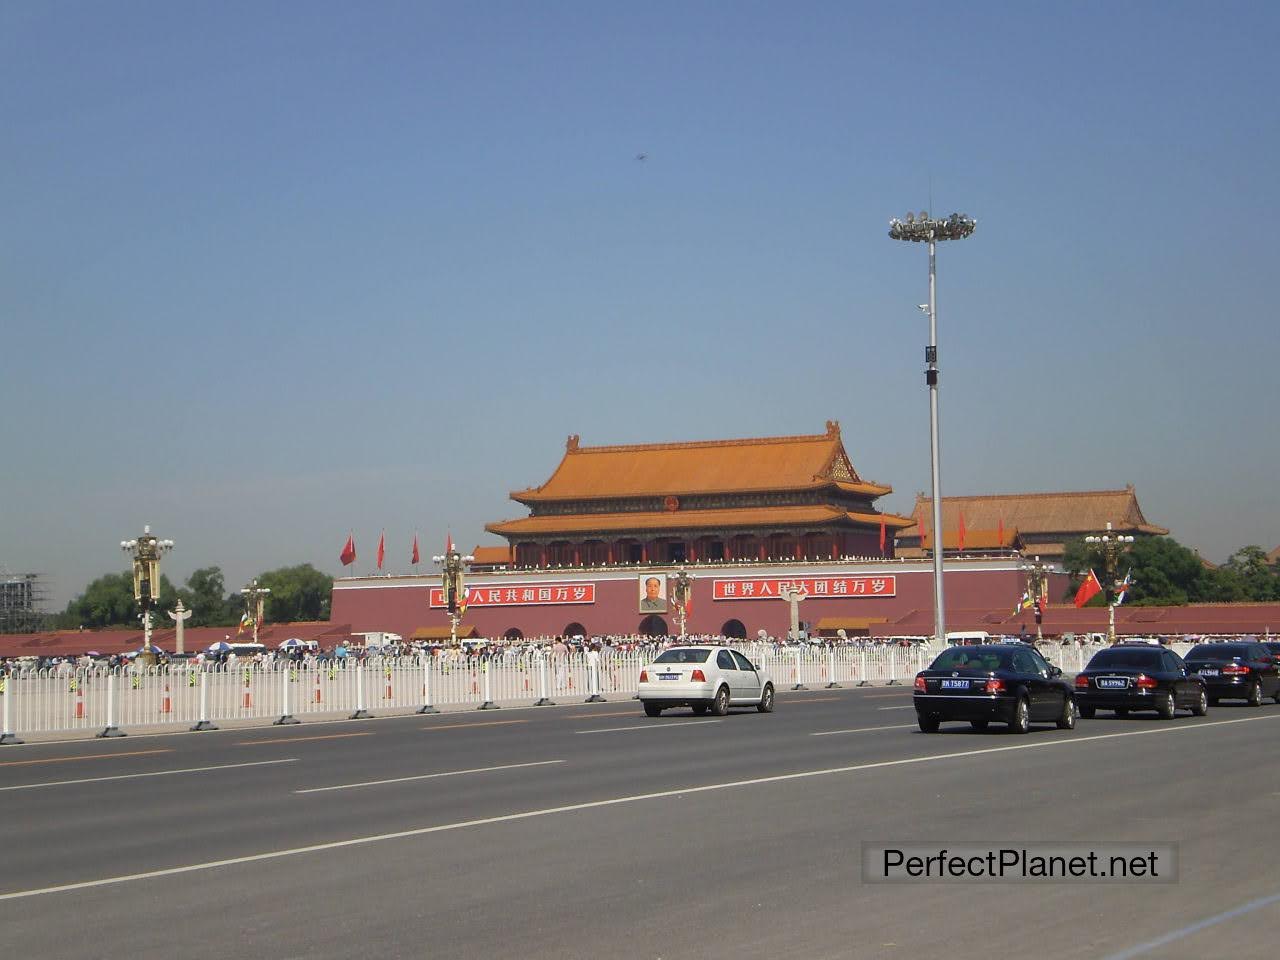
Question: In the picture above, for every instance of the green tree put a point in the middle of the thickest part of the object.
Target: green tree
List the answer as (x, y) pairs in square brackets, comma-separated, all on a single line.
[(1164, 572), (1257, 582), (108, 602), (206, 595), (297, 593)]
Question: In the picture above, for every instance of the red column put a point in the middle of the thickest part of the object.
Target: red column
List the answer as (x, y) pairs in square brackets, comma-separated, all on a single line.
[(693, 553), (761, 549), (610, 552), (799, 545), (644, 552), (542, 556), (577, 556)]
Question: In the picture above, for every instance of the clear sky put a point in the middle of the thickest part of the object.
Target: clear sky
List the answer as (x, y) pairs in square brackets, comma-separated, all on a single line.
[(271, 272)]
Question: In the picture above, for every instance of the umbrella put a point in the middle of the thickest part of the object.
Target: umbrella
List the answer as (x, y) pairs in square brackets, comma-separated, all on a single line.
[(92, 653), (291, 643), (151, 649), (219, 647)]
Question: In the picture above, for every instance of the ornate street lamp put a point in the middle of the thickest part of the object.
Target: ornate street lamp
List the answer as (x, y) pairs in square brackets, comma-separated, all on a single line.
[(922, 229), (681, 590), (1037, 575), (146, 550), (254, 598), (453, 565), (1113, 546)]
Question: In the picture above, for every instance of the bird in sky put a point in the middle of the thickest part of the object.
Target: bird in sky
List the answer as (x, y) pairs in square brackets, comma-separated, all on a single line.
[(642, 157)]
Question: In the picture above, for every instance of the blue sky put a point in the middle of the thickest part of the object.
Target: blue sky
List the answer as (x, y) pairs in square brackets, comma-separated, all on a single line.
[(325, 267)]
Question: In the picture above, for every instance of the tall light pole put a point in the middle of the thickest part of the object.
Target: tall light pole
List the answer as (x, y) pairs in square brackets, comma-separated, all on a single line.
[(1037, 589), (452, 564), (146, 550), (1112, 545), (681, 589), (922, 229), (254, 598)]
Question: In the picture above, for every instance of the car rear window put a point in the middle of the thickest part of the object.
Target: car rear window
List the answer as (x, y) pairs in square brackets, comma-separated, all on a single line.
[(680, 655), (972, 658), (1141, 659), (1218, 651)]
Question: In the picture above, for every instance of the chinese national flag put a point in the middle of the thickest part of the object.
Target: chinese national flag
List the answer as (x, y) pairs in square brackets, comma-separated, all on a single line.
[(448, 543), (882, 535), (1088, 590), (348, 554), (924, 533), (382, 548), (414, 559), (961, 534), (1000, 533)]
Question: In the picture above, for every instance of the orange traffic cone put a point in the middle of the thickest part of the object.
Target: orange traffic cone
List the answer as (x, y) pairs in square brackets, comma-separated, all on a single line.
[(166, 706), (79, 702)]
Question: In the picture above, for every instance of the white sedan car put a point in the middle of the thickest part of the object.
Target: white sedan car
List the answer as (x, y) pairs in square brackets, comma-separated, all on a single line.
[(704, 678)]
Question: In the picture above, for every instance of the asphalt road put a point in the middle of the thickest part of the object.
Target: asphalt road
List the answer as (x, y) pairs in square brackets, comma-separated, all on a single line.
[(582, 831)]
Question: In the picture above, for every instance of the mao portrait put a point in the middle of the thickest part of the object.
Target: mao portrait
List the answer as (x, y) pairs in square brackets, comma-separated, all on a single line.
[(653, 594)]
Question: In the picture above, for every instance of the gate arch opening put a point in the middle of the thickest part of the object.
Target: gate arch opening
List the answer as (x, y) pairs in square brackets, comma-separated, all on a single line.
[(653, 626), (575, 629), (734, 629)]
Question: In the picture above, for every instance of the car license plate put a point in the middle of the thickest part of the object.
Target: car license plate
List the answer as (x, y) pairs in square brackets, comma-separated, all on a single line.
[(668, 676), (1209, 672), (955, 684), (1112, 683)]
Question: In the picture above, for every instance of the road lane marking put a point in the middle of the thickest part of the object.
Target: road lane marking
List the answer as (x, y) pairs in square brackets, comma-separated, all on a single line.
[(599, 713), (327, 736), (431, 776), (907, 706), (799, 703), (1183, 932), (596, 804), (154, 773), (832, 733), (648, 726), (89, 756), (482, 723)]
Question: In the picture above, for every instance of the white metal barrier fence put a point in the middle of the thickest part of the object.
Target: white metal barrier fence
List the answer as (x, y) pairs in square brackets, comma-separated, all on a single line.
[(108, 700)]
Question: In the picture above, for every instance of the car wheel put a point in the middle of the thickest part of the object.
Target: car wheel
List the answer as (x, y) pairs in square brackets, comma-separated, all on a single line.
[(653, 709), (699, 709), (978, 724), (1068, 719), (766, 699), (1167, 707), (720, 705), (1255, 694), (1277, 696), (1021, 717), (1202, 705), (1088, 712), (1122, 711), (928, 724)]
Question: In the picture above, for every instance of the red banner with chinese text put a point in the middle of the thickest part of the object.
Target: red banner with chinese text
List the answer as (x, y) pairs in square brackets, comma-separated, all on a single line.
[(521, 595), (814, 588)]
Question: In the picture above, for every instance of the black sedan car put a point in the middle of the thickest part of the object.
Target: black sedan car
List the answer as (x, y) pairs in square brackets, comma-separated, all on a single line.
[(1006, 682), (1236, 671), (1139, 676)]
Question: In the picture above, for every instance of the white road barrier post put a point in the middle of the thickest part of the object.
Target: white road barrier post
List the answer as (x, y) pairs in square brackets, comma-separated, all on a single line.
[(862, 668), (893, 665), (111, 730), (7, 735), (285, 716), (543, 700), (488, 698), (796, 672), (361, 713), (203, 723), (593, 678), (831, 668), (426, 687)]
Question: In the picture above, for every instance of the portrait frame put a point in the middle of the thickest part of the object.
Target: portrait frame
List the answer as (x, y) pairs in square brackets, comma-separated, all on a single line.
[(647, 603)]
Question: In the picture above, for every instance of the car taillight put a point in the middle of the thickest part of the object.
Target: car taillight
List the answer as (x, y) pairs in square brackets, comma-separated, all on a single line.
[(995, 686), (920, 684), (1144, 682), (1082, 682), (1235, 669), (644, 676), (698, 677)]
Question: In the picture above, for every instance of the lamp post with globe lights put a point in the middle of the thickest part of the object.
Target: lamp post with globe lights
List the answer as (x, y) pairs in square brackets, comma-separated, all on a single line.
[(146, 551), (923, 229), (452, 566), (254, 599), (681, 590), (1112, 546), (1037, 575)]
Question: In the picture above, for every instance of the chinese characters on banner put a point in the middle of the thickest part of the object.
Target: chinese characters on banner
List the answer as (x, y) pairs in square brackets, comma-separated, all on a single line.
[(517, 595), (815, 587)]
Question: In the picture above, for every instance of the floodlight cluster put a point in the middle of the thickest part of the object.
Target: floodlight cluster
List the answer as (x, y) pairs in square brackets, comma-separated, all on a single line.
[(917, 228)]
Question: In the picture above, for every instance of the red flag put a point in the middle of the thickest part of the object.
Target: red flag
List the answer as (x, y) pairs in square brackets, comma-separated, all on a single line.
[(1000, 533), (348, 554), (448, 543), (414, 559), (382, 548), (924, 533), (882, 534), (1088, 590), (961, 538)]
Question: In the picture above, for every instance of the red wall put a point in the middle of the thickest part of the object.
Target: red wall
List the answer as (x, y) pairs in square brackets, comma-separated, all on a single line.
[(399, 604)]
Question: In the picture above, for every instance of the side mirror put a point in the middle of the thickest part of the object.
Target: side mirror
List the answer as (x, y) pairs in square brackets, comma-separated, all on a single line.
[(1055, 671)]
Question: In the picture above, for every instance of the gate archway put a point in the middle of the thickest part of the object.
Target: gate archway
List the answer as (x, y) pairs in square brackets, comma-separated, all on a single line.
[(653, 626), (575, 629), (735, 629)]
